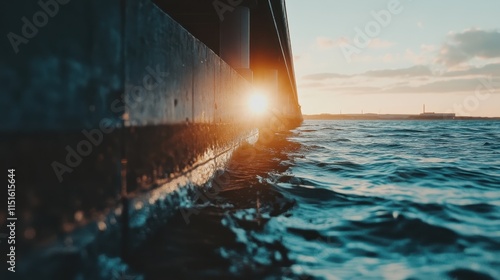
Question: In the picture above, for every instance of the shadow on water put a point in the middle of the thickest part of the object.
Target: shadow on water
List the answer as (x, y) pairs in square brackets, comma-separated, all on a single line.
[(218, 236)]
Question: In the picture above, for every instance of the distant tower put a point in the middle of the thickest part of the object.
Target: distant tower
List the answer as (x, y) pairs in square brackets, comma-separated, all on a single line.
[(424, 109)]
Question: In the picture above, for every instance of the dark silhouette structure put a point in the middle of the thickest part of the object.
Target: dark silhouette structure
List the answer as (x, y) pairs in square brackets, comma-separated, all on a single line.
[(112, 104)]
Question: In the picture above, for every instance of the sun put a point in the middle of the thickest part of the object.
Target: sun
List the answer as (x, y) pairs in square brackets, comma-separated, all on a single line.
[(258, 103)]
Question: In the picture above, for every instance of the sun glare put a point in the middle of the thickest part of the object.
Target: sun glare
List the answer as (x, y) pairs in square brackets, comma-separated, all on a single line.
[(258, 103)]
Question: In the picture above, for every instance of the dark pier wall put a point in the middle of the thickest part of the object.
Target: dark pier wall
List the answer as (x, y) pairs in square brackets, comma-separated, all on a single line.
[(202, 88), (61, 67), (60, 72), (269, 48), (107, 98)]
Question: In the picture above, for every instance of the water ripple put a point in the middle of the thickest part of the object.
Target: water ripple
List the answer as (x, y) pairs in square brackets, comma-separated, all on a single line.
[(347, 200)]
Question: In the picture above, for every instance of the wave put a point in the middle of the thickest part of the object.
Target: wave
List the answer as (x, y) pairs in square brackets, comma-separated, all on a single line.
[(409, 200)]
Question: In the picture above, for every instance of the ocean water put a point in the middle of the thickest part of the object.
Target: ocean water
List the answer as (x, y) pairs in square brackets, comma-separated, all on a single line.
[(344, 200)]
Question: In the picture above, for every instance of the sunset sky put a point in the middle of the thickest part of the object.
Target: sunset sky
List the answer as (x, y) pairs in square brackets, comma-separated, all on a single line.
[(354, 56)]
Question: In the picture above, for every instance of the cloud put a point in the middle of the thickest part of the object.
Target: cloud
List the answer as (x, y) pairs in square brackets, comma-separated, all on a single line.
[(449, 86), (327, 43), (454, 85), (354, 89), (427, 48), (324, 76), (380, 44), (487, 70), (311, 85), (447, 69), (415, 79), (414, 71), (472, 43)]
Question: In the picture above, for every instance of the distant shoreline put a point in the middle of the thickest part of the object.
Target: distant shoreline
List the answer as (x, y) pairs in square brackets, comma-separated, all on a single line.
[(379, 117)]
